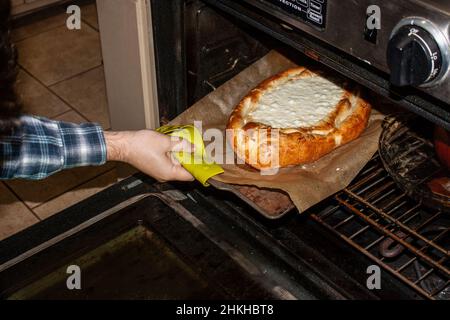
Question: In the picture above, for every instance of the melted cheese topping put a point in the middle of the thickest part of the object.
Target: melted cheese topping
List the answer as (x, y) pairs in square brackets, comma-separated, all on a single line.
[(298, 103)]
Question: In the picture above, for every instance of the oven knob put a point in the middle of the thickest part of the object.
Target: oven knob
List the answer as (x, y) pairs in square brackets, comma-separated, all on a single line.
[(413, 56)]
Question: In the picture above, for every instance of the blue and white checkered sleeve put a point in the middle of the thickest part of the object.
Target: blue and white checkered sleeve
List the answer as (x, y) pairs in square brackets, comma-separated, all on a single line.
[(40, 147)]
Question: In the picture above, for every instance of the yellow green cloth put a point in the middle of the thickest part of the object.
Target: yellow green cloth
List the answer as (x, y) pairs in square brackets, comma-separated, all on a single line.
[(196, 162)]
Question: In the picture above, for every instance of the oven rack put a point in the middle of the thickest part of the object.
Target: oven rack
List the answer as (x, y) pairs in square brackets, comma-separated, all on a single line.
[(399, 234)]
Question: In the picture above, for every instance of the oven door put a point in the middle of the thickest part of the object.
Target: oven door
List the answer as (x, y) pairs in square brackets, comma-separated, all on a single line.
[(145, 240)]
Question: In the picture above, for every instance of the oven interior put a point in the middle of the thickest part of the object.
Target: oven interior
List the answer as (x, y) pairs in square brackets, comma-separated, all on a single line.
[(219, 45), (377, 211), (322, 253)]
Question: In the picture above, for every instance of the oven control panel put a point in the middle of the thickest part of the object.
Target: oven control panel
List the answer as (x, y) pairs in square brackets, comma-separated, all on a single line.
[(311, 11)]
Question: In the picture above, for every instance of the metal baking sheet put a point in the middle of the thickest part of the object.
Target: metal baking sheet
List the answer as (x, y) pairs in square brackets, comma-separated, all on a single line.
[(271, 203)]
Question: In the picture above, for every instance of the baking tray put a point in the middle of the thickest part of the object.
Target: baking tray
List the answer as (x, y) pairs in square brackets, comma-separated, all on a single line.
[(271, 203)]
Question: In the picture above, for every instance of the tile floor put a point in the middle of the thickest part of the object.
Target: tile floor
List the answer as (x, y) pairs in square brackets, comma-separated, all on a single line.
[(61, 77)]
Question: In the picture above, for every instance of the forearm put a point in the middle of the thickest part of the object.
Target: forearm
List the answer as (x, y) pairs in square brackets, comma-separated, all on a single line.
[(116, 145), (40, 147)]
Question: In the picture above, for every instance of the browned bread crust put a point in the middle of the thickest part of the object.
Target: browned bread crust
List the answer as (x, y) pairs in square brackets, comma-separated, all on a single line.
[(252, 141)]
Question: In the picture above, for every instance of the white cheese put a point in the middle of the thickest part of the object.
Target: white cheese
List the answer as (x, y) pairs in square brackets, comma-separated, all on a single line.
[(298, 103)]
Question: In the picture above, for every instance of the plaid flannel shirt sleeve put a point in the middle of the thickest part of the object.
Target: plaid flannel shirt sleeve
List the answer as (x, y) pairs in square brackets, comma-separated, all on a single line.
[(40, 147)]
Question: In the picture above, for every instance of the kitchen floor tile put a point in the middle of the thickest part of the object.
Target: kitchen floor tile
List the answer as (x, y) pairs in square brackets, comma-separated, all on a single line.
[(89, 15), (78, 194), (37, 99), (71, 116), (34, 193), (87, 94), (60, 53), (37, 27), (14, 215)]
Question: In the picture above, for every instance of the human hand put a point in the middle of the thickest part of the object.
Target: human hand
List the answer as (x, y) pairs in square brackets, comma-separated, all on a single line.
[(149, 152)]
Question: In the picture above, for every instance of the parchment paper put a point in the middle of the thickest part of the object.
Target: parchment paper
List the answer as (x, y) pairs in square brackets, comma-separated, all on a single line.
[(306, 185)]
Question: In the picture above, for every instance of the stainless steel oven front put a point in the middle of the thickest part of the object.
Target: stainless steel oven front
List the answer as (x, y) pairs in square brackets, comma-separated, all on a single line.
[(408, 39)]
